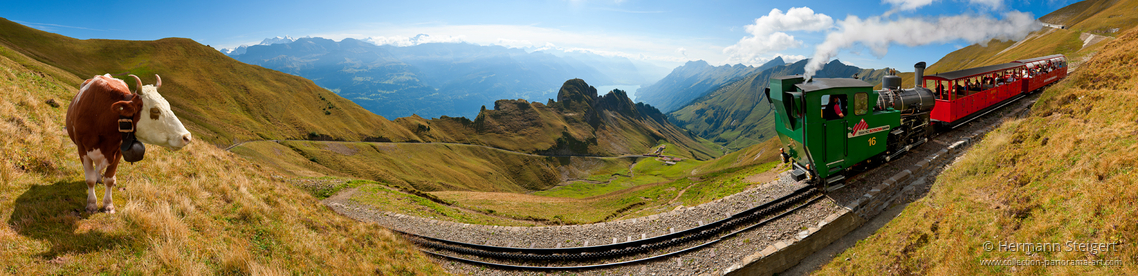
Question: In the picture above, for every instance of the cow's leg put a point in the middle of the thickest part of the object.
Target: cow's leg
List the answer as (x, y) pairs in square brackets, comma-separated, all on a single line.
[(109, 180), (100, 163), (92, 177)]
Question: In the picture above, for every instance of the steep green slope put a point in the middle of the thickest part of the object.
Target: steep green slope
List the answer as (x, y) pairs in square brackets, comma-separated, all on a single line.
[(737, 115), (1064, 175), (197, 211), (693, 80)]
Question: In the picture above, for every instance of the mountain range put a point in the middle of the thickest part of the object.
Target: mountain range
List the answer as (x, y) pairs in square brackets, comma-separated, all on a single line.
[(579, 122), (435, 79), (693, 80)]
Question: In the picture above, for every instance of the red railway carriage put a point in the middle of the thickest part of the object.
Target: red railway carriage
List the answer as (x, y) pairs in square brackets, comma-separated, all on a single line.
[(1044, 70), (966, 94)]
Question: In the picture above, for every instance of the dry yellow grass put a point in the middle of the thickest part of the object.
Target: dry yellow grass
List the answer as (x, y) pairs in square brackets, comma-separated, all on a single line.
[(1067, 173), (191, 212)]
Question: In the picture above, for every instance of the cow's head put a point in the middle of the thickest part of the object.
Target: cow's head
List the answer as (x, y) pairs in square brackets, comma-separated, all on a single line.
[(158, 125)]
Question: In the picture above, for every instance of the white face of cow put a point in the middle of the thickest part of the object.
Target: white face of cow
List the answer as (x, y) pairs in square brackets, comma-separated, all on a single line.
[(158, 125)]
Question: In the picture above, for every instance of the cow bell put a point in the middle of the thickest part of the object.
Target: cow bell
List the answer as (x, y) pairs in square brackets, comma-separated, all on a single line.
[(134, 152)]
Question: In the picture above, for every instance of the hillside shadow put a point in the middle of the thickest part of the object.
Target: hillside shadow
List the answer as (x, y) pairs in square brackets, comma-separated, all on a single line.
[(52, 213)]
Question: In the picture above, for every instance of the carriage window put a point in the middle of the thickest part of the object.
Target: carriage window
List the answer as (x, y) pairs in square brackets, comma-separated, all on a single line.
[(861, 103), (942, 90)]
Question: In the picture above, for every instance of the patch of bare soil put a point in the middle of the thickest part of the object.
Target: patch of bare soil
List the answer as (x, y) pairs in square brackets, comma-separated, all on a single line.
[(341, 148), (764, 177)]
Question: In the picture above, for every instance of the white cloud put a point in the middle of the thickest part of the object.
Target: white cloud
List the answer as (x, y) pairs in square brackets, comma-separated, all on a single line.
[(791, 58), (878, 34), (795, 19), (767, 34), (750, 50), (682, 51), (514, 43), (548, 46)]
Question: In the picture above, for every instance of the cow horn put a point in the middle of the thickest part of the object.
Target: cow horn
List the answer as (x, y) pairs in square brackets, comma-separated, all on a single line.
[(159, 84), (139, 81)]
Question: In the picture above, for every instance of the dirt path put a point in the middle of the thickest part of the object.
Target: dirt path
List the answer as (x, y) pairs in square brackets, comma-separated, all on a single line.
[(344, 198), (681, 193), (444, 143), (767, 176)]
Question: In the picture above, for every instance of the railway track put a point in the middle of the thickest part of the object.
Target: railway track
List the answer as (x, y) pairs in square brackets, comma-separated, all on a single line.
[(616, 254)]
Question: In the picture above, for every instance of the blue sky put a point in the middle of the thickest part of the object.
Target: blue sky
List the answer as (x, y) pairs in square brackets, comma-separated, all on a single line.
[(664, 32)]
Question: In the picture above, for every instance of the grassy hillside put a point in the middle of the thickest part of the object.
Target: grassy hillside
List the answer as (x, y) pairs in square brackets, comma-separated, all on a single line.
[(219, 99), (453, 167), (478, 185), (223, 101), (1065, 173), (194, 211)]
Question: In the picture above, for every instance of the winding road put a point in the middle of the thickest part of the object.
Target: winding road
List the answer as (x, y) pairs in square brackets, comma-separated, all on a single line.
[(230, 148)]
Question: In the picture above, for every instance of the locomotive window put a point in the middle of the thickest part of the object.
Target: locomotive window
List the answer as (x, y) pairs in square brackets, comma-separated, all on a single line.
[(832, 112), (861, 103)]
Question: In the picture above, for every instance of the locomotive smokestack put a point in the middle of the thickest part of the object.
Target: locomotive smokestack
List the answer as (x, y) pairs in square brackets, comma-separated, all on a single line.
[(919, 74)]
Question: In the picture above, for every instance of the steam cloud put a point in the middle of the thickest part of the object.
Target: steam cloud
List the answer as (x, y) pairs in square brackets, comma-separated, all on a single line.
[(878, 35)]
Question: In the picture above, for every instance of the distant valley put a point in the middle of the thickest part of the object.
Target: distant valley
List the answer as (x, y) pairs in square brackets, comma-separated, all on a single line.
[(438, 79)]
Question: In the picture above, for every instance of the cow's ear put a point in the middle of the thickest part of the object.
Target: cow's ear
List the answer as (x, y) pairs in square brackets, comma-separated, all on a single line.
[(124, 108)]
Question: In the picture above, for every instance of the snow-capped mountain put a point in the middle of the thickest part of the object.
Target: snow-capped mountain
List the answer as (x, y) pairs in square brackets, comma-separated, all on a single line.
[(268, 41)]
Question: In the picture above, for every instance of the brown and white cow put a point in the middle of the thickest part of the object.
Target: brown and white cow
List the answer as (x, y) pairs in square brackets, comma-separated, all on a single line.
[(93, 122)]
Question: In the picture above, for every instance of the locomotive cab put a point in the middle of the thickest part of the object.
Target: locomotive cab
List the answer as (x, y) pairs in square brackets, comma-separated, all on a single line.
[(827, 126)]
